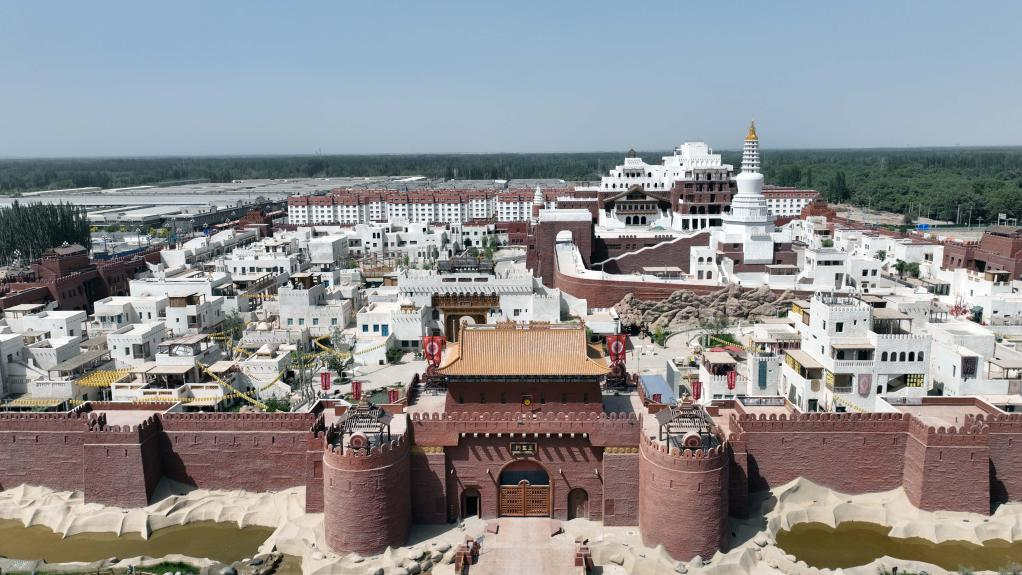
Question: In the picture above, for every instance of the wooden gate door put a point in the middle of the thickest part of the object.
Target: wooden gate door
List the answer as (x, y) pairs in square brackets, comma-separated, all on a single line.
[(524, 500)]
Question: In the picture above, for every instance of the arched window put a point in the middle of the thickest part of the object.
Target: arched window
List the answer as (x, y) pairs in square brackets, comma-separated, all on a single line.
[(911, 356), (700, 260), (920, 356), (642, 220), (628, 221), (699, 275), (709, 275), (901, 357), (883, 356)]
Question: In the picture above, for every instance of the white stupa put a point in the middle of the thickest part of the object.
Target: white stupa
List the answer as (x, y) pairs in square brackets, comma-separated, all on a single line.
[(749, 222)]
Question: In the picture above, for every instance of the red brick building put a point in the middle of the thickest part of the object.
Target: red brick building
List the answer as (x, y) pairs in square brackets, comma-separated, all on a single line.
[(999, 249)]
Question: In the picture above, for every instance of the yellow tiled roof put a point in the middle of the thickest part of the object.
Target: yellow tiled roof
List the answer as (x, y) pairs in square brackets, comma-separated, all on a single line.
[(518, 349)]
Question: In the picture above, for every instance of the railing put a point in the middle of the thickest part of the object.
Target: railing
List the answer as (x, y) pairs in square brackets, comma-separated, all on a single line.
[(839, 388), (852, 363)]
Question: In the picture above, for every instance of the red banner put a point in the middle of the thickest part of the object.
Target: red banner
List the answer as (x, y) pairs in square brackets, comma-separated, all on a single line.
[(324, 380), (617, 347), (732, 378), (393, 395), (356, 390), (432, 348), (697, 390)]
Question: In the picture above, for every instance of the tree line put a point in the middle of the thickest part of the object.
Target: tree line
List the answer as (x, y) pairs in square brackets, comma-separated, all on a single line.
[(918, 182), (29, 230)]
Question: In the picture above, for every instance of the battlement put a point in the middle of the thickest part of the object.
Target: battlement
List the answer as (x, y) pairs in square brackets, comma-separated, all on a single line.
[(69, 421), (238, 421), (383, 455), (1002, 422), (602, 429), (683, 459), (972, 433), (145, 430), (819, 422)]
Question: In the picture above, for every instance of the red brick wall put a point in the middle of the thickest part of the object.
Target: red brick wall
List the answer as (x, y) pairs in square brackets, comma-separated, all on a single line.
[(683, 500), (1004, 440), (570, 462), (620, 478), (366, 500), (606, 293), (250, 451), (870, 447), (663, 253), (429, 491), (948, 469)]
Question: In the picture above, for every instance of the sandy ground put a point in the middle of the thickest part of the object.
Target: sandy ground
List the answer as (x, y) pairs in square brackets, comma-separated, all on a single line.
[(518, 547)]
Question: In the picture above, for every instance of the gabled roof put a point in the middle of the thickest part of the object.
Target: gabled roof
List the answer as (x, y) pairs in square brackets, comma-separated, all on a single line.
[(511, 349), (656, 195)]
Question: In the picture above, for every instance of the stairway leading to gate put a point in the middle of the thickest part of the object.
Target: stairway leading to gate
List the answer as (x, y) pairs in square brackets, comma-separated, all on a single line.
[(524, 545)]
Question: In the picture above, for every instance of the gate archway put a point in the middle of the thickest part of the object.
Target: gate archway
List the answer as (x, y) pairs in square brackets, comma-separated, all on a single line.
[(524, 490)]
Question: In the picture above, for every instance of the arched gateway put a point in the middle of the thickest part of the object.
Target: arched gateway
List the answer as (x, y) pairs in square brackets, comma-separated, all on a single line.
[(524, 490)]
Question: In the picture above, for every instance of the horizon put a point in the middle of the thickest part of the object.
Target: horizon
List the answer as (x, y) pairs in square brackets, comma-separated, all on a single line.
[(122, 79), (974, 148)]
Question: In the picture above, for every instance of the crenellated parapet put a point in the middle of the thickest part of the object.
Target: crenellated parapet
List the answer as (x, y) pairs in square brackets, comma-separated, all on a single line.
[(683, 459), (285, 421), (602, 429), (70, 421), (973, 432), (818, 422), (382, 455)]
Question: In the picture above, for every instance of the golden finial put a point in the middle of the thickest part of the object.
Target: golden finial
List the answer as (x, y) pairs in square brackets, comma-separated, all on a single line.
[(752, 132)]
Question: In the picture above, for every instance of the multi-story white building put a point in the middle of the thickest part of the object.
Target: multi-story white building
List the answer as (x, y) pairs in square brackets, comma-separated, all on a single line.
[(853, 351), (44, 323), (307, 302)]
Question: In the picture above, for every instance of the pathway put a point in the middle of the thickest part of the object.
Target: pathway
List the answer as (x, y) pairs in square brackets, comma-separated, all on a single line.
[(524, 546)]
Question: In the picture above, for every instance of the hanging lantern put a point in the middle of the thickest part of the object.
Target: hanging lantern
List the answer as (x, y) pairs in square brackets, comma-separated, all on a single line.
[(732, 378), (697, 390)]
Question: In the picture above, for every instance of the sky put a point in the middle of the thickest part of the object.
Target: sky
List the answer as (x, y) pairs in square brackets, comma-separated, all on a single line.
[(111, 78)]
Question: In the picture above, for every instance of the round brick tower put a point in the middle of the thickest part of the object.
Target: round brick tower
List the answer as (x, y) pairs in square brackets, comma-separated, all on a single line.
[(366, 494), (683, 499)]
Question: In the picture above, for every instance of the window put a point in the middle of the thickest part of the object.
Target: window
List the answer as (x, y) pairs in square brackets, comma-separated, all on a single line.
[(883, 356), (301, 321), (376, 328), (315, 321), (290, 321), (920, 356), (385, 330), (517, 312), (365, 327), (839, 326)]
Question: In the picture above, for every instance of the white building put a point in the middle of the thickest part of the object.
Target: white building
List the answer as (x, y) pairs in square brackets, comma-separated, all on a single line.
[(852, 352), (113, 313), (135, 344), (307, 302)]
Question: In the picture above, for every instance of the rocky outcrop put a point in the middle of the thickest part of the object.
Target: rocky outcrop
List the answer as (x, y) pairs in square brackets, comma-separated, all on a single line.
[(682, 309)]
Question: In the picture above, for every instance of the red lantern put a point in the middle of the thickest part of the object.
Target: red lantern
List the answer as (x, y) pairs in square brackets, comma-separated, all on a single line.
[(393, 395), (356, 390), (697, 390), (324, 380), (732, 377)]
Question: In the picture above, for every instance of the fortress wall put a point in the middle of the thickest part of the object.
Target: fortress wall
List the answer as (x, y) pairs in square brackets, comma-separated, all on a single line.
[(429, 492), (1004, 441), (620, 478), (683, 499), (771, 451), (250, 451), (366, 501), (948, 468)]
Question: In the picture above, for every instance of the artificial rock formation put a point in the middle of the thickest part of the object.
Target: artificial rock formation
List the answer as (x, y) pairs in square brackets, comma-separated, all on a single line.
[(683, 308)]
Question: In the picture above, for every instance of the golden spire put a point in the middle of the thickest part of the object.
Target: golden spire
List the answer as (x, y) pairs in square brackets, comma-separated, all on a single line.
[(752, 132)]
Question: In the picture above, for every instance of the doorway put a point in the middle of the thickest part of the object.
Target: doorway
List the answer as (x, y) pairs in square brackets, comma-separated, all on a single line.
[(471, 505), (524, 490), (578, 504)]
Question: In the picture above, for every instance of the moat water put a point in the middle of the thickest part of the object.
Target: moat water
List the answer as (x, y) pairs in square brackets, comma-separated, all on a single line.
[(224, 542), (855, 543)]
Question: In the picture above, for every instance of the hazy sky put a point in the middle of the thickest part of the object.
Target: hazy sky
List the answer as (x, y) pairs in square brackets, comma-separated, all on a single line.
[(249, 77)]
